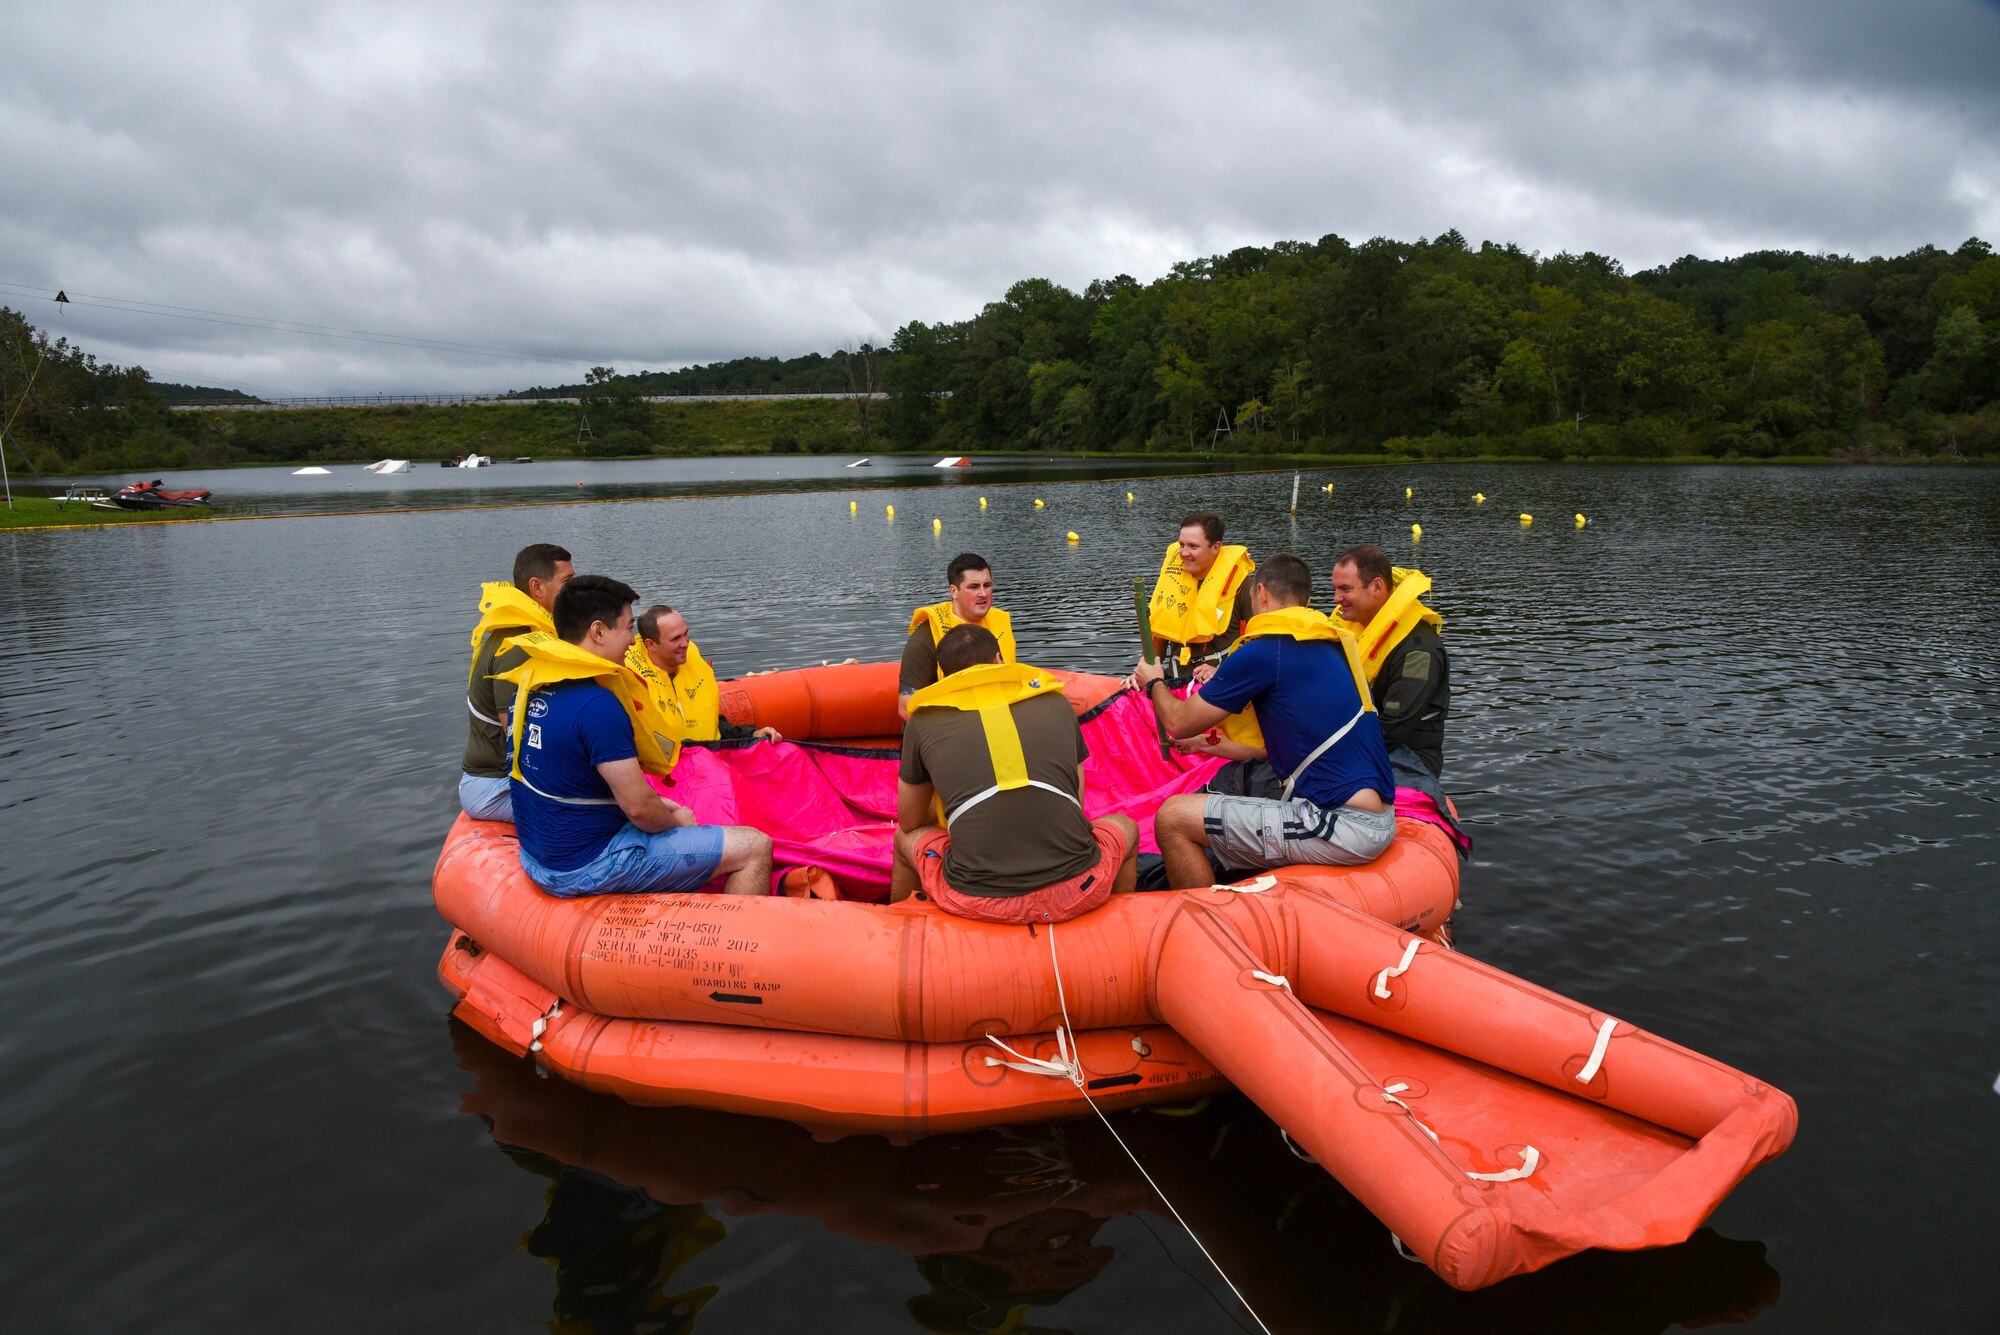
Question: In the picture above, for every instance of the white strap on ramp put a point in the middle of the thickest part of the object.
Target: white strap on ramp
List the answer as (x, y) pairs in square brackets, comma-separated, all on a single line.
[(1396, 970), (1589, 1071), (1531, 1159)]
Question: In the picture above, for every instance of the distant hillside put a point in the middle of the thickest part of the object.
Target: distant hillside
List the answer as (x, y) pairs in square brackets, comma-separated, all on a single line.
[(201, 393), (809, 374)]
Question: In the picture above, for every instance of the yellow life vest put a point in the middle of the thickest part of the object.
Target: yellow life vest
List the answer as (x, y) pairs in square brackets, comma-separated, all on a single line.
[(1294, 623), (941, 617), (504, 607), (1395, 619), (990, 690), (689, 699), (1185, 613), (552, 660)]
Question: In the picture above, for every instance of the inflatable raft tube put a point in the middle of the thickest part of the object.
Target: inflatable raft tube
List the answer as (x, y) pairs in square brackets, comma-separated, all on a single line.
[(856, 702), (906, 972)]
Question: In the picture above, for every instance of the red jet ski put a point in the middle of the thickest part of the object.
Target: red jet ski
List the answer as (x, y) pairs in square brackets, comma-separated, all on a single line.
[(151, 496)]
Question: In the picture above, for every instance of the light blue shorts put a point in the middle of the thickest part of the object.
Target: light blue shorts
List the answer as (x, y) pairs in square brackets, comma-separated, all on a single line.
[(485, 799), (1256, 832), (636, 863)]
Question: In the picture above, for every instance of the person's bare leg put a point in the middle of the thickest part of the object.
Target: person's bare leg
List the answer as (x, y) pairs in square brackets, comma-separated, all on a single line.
[(1182, 841), (1127, 878), (746, 860), (903, 880)]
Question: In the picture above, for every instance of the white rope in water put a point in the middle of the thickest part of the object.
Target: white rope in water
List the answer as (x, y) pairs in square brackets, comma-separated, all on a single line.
[(1074, 1073), (1589, 1070), (1396, 970)]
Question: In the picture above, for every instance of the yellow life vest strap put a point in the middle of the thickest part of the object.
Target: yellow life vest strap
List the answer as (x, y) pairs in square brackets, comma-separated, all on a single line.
[(1303, 623), (1396, 618), (551, 660), (991, 690), (504, 607)]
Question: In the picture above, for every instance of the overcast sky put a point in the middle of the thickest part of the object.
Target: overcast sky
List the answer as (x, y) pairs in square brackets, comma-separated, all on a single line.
[(651, 185)]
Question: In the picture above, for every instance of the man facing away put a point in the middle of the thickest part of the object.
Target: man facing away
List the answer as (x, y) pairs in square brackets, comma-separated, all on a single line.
[(970, 581), (589, 822), (683, 683), (1401, 650), (998, 746), (1319, 727), (1201, 599), (505, 610)]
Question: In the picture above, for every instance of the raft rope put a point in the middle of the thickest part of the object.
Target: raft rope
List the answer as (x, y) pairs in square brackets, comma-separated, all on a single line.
[(1589, 1071), (1068, 1066), (1396, 970)]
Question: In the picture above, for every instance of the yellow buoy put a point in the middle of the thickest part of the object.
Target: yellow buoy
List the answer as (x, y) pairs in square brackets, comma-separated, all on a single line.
[(1409, 492), (1527, 520), (937, 525), (1479, 498), (892, 511), (1328, 489), (1038, 503), (1416, 533), (853, 507), (982, 502), (1128, 498), (1581, 521), (1074, 538)]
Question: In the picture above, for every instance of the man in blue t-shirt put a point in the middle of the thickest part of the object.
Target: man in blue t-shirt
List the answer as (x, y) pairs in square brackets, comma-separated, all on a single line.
[(589, 822), (1320, 734)]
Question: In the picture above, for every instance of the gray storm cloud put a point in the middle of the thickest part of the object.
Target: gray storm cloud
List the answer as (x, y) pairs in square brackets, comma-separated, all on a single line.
[(647, 187)]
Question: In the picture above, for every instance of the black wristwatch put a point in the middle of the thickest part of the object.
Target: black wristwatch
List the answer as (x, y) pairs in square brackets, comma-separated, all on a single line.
[(1157, 681)]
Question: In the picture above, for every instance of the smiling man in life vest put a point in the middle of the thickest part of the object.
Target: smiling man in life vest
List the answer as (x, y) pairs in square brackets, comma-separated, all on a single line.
[(683, 683), (1301, 672), (970, 581), (586, 735), (505, 610), (998, 747), (1201, 599), (1401, 650)]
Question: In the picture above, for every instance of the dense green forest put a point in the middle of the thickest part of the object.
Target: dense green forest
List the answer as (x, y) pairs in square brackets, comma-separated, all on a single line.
[(1433, 349), (1426, 349)]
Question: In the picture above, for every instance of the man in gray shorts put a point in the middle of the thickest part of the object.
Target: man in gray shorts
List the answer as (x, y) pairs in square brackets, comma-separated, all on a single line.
[(1319, 728)]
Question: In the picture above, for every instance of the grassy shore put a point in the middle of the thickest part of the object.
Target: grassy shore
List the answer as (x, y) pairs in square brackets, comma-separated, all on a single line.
[(41, 512)]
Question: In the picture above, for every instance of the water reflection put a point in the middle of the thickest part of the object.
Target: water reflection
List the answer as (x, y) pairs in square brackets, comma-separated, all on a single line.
[(1011, 1229)]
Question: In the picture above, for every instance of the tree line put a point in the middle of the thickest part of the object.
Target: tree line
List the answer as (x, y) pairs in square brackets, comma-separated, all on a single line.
[(1435, 349)]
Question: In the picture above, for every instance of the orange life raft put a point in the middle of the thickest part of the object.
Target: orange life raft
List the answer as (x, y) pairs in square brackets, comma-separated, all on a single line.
[(1492, 1125)]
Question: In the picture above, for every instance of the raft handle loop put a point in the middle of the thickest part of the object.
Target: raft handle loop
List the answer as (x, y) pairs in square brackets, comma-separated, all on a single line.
[(1293, 1146), (1274, 979), (1077, 1079), (542, 1026), (1062, 1067), (1397, 970), (1256, 887), (1405, 1252), (1531, 1159), (1589, 1071)]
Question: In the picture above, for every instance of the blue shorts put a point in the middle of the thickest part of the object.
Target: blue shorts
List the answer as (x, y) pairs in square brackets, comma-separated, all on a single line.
[(486, 799), (636, 863)]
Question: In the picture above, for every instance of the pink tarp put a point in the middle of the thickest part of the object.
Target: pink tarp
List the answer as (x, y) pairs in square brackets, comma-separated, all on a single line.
[(835, 807)]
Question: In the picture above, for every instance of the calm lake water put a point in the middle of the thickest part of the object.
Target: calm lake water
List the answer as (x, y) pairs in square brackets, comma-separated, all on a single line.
[(1729, 753)]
